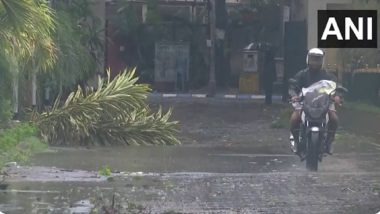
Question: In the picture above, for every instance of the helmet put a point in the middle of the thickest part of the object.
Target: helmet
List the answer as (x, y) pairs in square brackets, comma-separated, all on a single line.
[(315, 56)]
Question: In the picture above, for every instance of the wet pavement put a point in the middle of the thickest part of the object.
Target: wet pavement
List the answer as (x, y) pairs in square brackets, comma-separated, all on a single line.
[(231, 161)]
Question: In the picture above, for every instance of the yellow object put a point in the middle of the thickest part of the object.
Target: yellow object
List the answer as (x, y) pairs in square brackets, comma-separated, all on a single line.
[(249, 82)]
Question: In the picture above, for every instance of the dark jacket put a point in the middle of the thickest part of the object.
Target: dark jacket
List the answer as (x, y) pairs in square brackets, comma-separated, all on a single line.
[(305, 78)]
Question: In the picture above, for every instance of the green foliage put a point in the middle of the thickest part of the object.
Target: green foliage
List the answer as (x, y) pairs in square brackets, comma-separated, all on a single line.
[(349, 56), (23, 22), (115, 113), (105, 171), (282, 120), (5, 110), (26, 44), (5, 86), (19, 143), (371, 57), (143, 36), (74, 62), (363, 106), (79, 45), (364, 87), (127, 19), (25, 33), (254, 18)]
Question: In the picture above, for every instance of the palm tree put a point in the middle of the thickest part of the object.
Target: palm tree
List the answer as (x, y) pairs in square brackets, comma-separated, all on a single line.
[(79, 43), (25, 37)]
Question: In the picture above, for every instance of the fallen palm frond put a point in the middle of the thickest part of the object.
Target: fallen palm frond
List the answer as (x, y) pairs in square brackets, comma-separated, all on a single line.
[(115, 113)]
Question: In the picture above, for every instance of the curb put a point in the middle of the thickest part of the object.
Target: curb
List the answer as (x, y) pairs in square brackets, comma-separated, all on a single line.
[(221, 96)]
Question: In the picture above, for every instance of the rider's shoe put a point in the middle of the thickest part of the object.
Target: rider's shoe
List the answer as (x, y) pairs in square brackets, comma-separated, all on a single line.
[(293, 144), (296, 148), (302, 155)]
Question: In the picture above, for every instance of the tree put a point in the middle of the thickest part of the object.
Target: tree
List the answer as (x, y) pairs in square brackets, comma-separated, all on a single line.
[(79, 43), (25, 37), (116, 112)]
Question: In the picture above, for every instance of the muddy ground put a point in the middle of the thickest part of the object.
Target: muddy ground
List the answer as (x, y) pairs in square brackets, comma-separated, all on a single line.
[(231, 161)]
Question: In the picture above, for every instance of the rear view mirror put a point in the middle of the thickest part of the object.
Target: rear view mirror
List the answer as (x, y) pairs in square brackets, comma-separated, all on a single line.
[(292, 81), (341, 89), (293, 84)]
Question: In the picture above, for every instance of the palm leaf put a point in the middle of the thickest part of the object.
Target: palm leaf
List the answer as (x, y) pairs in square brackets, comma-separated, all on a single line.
[(115, 113)]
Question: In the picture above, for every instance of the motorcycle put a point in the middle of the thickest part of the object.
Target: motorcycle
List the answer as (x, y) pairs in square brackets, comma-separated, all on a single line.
[(315, 101)]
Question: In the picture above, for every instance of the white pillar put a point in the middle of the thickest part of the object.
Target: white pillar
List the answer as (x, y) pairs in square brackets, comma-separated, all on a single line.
[(34, 89), (15, 93), (144, 11), (193, 13), (13, 67), (285, 17)]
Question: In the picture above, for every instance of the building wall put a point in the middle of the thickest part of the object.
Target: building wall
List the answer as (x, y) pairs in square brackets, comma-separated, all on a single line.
[(240, 37)]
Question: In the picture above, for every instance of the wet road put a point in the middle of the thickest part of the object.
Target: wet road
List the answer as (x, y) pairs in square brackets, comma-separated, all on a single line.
[(231, 162)]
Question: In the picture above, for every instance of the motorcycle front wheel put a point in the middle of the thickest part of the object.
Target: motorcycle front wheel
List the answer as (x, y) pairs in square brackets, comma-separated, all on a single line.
[(312, 151)]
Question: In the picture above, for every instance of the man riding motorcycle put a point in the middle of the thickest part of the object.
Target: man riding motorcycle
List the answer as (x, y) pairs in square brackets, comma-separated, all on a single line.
[(303, 79)]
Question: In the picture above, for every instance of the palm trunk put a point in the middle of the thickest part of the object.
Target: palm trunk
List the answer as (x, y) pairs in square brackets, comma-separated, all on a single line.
[(34, 89), (15, 94), (15, 84), (34, 85)]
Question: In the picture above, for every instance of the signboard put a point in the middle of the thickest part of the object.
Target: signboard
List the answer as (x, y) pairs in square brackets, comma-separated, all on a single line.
[(250, 63), (172, 63)]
